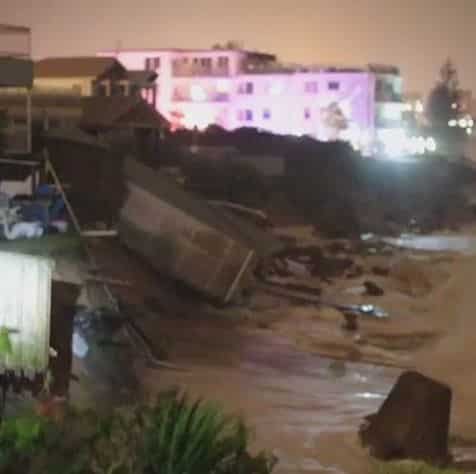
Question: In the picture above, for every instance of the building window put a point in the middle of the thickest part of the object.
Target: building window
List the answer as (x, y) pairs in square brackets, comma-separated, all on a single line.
[(266, 114), (245, 115), (223, 62), (152, 64), (246, 88), (206, 63), (311, 87), (307, 113), (333, 86)]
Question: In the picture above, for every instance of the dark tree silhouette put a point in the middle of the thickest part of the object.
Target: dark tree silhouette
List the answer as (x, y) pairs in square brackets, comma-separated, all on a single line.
[(444, 100)]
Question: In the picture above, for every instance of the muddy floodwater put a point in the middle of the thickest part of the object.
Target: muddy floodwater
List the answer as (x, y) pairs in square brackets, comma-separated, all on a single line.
[(291, 399)]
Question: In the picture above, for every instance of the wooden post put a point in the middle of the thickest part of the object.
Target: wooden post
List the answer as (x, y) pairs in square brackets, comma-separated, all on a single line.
[(50, 169)]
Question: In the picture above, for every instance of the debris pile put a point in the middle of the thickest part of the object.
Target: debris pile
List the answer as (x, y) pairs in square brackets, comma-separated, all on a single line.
[(310, 261)]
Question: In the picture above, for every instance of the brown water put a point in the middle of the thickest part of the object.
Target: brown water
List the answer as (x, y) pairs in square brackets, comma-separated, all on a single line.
[(293, 401)]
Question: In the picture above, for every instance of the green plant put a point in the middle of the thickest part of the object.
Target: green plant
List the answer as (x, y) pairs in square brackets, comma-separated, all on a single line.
[(196, 437), (174, 436)]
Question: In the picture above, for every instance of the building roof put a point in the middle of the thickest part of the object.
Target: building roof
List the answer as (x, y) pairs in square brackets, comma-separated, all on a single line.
[(249, 52), (81, 66), (120, 111), (14, 29)]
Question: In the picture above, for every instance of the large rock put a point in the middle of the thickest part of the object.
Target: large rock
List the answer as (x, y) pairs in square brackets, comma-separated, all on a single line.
[(413, 422)]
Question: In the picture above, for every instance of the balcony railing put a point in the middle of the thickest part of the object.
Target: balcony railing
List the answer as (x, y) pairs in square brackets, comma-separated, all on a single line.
[(182, 70), (214, 97)]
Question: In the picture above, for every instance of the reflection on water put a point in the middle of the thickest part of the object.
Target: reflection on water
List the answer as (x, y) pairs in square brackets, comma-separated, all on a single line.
[(290, 398)]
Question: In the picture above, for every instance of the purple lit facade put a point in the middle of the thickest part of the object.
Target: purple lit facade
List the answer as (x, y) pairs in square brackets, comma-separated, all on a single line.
[(235, 88)]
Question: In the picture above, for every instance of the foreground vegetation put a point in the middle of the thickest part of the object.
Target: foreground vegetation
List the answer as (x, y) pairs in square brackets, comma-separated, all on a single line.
[(174, 436)]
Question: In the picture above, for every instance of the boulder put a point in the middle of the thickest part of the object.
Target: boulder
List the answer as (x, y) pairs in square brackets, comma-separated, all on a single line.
[(413, 422), (372, 289)]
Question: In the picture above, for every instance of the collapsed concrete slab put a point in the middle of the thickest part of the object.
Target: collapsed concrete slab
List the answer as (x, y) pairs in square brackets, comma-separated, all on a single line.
[(184, 237), (413, 422)]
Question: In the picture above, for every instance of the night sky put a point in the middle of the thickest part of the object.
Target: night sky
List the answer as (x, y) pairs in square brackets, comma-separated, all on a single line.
[(416, 35)]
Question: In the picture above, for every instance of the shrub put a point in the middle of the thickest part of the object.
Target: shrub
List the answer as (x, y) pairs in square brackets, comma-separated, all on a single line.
[(174, 436), (196, 437)]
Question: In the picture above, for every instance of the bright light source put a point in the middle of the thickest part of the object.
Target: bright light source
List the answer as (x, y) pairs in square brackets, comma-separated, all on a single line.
[(418, 145), (463, 123), (469, 131), (394, 141), (197, 93), (392, 111), (454, 105), (419, 107), (223, 86), (470, 123), (453, 123), (431, 144), (199, 118)]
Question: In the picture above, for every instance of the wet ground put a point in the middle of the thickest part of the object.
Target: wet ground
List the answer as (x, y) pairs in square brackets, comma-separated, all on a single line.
[(304, 408), (291, 399)]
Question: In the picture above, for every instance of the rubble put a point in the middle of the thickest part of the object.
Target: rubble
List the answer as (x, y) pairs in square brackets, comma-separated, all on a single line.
[(373, 289), (307, 261), (380, 271)]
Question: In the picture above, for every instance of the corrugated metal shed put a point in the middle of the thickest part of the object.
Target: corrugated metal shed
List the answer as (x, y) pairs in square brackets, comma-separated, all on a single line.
[(25, 305)]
